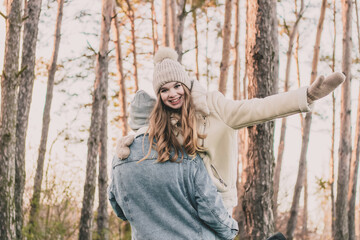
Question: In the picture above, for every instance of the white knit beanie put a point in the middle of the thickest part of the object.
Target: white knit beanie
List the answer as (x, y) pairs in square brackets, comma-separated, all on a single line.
[(168, 69), (140, 109)]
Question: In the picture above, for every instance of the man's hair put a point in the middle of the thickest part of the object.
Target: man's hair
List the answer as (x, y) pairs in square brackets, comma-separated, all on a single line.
[(161, 131)]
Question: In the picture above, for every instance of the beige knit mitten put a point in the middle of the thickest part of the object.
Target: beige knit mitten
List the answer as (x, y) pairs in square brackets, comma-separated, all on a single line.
[(122, 146), (323, 86)]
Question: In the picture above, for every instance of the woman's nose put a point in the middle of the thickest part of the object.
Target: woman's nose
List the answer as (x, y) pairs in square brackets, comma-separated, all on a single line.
[(172, 92)]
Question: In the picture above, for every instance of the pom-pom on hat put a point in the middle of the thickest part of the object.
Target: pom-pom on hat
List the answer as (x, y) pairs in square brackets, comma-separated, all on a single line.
[(168, 69), (140, 109)]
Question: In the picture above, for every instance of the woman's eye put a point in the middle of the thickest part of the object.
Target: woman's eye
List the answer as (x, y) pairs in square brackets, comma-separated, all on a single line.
[(163, 90), (177, 85)]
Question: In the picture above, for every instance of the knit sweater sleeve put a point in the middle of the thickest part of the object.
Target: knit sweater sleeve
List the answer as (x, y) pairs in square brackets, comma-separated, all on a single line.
[(244, 113)]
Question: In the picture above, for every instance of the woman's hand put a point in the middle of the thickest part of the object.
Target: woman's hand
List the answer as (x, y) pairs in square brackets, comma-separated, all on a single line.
[(323, 86)]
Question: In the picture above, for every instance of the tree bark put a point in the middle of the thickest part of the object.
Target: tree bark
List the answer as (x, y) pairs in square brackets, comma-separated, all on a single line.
[(354, 168), (172, 23), (154, 28), (93, 141), (197, 74), (102, 214), (290, 228), (181, 15), (236, 77), (131, 16), (305, 210), (120, 73), (281, 146), (32, 13), (332, 172), (35, 199), (275, 43), (238, 213), (224, 65), (341, 204), (9, 85), (259, 222), (165, 23)]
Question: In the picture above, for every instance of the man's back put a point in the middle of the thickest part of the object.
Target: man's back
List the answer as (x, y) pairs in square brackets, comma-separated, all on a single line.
[(167, 200)]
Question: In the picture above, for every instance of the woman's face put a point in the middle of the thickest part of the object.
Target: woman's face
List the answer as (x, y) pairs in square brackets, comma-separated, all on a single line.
[(172, 95)]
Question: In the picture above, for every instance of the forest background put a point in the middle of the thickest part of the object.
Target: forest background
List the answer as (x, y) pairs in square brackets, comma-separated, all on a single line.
[(67, 153)]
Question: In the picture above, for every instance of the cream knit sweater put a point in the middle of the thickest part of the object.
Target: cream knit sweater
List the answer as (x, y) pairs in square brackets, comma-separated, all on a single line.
[(220, 118)]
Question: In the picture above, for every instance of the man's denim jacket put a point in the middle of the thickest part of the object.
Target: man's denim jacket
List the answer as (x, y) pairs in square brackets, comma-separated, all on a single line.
[(168, 200)]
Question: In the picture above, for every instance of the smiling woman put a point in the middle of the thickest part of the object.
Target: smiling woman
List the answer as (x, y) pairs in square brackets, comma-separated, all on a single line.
[(172, 95), (206, 123)]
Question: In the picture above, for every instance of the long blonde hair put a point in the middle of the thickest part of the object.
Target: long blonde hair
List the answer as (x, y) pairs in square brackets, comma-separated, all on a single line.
[(161, 130)]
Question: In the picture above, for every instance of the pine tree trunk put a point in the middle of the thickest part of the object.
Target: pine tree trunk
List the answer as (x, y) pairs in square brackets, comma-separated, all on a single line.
[(281, 146), (207, 49), (275, 43), (32, 12), (154, 28), (172, 23), (238, 213), (165, 23), (259, 222), (290, 228), (236, 77), (93, 141), (354, 175), (332, 172), (224, 65), (354, 167), (35, 199), (197, 74), (102, 214), (131, 16), (341, 204), (120, 73), (9, 85), (181, 15), (305, 210)]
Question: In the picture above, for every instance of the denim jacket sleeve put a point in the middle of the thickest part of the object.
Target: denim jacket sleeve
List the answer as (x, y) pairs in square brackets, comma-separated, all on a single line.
[(115, 206), (210, 206)]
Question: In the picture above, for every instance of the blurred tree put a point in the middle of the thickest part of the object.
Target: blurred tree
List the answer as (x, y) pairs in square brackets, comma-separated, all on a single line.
[(258, 164), (172, 23), (305, 133), (194, 17), (341, 204), (130, 13), (354, 167), (224, 65), (35, 199), (9, 93), (155, 36), (102, 213), (180, 20), (332, 172), (238, 213), (165, 24), (291, 33), (236, 76), (120, 73), (95, 126)]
